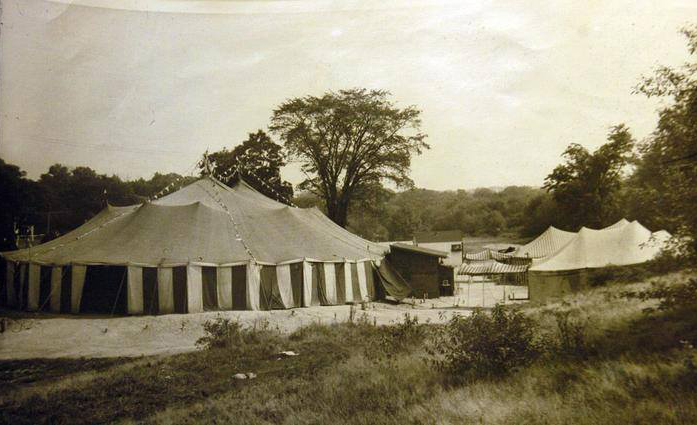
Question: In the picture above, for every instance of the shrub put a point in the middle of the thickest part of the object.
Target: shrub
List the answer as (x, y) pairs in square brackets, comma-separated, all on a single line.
[(399, 337), (681, 297), (485, 345), (613, 274), (225, 333), (667, 262), (220, 333)]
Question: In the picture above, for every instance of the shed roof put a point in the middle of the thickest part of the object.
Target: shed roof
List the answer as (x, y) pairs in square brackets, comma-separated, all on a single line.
[(419, 249)]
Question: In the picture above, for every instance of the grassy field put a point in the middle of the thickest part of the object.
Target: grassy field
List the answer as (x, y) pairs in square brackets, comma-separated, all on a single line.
[(624, 366)]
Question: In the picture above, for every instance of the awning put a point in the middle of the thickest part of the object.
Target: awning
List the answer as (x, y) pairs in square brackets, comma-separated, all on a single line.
[(490, 267), (393, 283)]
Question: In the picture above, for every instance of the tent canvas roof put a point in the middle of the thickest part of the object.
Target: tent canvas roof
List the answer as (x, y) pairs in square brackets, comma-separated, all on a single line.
[(490, 267), (487, 254), (552, 240), (624, 245), (549, 242), (192, 225)]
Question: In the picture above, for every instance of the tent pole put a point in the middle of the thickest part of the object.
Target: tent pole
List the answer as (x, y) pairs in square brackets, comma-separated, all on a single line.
[(469, 282)]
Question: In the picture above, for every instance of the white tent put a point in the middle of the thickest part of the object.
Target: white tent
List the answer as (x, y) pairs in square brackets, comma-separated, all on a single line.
[(569, 268), (621, 245)]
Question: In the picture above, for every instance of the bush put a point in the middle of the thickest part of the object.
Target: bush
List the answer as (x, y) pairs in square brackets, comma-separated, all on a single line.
[(220, 333), (613, 274), (667, 262), (399, 337), (485, 345), (680, 297), (228, 334)]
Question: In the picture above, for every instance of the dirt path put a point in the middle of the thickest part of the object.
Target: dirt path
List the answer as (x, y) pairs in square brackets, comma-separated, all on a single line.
[(52, 336)]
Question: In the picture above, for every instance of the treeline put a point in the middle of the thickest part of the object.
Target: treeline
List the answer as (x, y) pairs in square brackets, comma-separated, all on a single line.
[(390, 215), (64, 198)]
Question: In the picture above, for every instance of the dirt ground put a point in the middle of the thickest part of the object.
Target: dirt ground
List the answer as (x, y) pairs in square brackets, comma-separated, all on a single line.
[(41, 335)]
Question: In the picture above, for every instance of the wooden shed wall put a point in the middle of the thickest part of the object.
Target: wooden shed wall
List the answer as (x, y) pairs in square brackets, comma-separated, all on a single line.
[(421, 271)]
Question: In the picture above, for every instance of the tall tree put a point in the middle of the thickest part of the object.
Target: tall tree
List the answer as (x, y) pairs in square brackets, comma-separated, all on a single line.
[(348, 142), (667, 173), (584, 186), (258, 160)]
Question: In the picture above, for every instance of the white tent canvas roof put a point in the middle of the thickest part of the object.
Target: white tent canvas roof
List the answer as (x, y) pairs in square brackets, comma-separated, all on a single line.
[(547, 243), (619, 245), (552, 240)]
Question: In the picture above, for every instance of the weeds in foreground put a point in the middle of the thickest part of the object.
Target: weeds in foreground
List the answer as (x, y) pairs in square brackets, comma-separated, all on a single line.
[(401, 337), (570, 338), (485, 345)]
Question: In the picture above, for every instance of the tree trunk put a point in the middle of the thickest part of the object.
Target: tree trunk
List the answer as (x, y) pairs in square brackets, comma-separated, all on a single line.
[(337, 211)]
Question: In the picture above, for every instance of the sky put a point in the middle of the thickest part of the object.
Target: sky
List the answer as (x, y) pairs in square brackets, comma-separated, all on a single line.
[(131, 87)]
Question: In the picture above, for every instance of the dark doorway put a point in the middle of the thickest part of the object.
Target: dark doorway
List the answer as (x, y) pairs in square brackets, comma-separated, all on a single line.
[(239, 287), (355, 284), (151, 304), (104, 291), (318, 273), (269, 295), (66, 288), (181, 300), (45, 288), (209, 281), (296, 283), (4, 281), (24, 286), (340, 283)]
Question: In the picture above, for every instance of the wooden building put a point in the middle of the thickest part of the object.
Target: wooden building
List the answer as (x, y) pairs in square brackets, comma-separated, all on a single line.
[(423, 269)]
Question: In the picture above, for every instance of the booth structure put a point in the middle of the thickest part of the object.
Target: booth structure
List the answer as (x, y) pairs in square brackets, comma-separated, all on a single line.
[(204, 247), (423, 269)]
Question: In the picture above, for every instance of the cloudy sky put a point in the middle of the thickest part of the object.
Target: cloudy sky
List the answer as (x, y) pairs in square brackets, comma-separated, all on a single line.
[(131, 87)]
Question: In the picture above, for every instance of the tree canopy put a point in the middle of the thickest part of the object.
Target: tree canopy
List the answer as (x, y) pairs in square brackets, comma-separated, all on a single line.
[(258, 160), (584, 187), (667, 174), (349, 143)]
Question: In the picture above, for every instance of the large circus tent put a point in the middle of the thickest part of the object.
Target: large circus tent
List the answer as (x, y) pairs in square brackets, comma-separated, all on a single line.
[(207, 246)]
